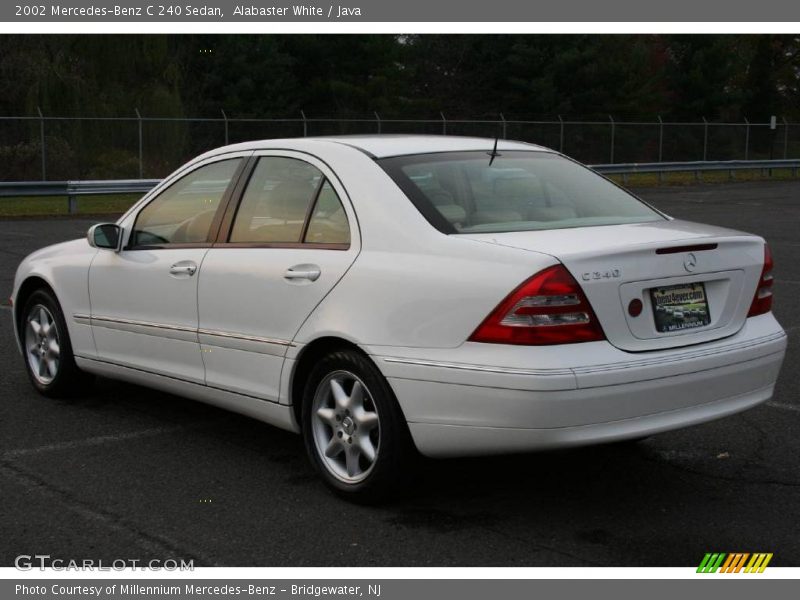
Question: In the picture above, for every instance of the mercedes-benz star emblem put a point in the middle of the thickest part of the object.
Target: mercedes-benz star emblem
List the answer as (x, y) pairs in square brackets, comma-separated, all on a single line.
[(690, 262)]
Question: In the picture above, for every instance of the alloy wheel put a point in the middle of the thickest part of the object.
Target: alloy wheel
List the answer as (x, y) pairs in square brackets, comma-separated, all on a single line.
[(345, 426), (42, 345)]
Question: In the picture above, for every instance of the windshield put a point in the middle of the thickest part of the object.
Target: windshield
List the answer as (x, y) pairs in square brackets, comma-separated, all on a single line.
[(461, 192)]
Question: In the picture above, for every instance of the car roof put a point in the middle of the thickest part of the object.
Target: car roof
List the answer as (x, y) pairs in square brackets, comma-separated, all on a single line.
[(382, 146), (386, 145)]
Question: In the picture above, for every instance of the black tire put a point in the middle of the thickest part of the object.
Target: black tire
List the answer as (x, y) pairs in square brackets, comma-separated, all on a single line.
[(68, 380), (395, 455)]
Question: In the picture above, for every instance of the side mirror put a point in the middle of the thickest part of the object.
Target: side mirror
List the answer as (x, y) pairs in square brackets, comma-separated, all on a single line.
[(105, 235)]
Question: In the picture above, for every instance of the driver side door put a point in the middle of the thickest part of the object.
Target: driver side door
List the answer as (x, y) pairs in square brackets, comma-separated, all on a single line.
[(144, 298)]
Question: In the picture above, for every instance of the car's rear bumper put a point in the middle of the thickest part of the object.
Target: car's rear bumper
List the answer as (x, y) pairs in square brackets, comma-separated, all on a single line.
[(456, 403)]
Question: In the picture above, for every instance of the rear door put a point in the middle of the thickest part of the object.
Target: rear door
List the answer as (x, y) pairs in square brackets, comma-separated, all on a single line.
[(289, 241)]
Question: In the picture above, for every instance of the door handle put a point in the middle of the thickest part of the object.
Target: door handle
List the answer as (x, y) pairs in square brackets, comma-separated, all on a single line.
[(309, 272), (186, 267)]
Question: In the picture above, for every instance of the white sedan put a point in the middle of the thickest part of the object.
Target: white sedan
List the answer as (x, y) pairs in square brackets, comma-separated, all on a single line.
[(384, 295)]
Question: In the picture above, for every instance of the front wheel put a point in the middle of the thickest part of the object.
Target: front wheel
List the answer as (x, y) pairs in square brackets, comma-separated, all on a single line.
[(355, 434), (46, 345)]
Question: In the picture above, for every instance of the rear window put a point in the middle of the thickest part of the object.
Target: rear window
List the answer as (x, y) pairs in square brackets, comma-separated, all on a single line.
[(461, 192)]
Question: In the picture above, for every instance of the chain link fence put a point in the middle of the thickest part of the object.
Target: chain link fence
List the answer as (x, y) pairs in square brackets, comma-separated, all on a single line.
[(43, 147)]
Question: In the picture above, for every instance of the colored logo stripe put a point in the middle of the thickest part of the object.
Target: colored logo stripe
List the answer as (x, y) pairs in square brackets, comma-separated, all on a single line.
[(734, 562), (758, 563), (711, 562)]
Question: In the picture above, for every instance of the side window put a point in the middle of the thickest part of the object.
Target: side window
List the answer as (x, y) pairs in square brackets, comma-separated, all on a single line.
[(328, 224), (182, 214), (276, 202)]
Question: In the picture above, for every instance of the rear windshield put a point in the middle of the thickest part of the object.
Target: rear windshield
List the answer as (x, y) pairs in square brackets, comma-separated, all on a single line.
[(461, 192)]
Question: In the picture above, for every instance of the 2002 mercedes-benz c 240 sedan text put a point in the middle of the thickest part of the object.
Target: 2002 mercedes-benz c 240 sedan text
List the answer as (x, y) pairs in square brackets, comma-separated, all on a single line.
[(391, 294)]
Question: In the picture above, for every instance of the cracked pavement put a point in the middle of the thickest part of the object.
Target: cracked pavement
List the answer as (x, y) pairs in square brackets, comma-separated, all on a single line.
[(131, 473)]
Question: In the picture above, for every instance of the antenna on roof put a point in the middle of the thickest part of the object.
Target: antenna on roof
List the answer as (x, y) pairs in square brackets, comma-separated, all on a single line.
[(494, 153)]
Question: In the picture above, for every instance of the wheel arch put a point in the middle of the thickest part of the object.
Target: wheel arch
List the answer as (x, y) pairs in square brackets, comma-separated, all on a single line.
[(305, 362), (31, 284)]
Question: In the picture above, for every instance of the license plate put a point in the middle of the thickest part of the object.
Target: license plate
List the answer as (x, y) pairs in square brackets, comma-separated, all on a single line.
[(678, 307)]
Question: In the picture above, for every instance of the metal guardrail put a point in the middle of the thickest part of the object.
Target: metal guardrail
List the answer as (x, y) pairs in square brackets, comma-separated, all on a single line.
[(74, 189), (697, 167)]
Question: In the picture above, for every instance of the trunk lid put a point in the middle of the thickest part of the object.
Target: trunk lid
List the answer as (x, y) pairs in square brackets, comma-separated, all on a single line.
[(695, 282)]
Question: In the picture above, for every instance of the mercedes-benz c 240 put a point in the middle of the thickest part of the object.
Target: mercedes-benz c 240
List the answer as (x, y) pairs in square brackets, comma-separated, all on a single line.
[(388, 295)]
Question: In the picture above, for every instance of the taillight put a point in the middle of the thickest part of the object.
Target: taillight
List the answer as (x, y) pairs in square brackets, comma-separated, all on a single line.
[(548, 308), (762, 301)]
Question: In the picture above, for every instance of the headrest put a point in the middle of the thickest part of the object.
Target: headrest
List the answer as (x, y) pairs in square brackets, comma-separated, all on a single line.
[(439, 197), (517, 187), (452, 212), (197, 231)]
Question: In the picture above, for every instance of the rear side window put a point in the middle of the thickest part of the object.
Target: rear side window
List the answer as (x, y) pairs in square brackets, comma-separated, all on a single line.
[(520, 190), (289, 201), (276, 202), (184, 212), (328, 224)]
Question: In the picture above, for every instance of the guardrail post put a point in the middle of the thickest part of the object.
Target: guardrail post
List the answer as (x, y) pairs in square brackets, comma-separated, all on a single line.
[(613, 128), (746, 138), (505, 129), (705, 139), (560, 134), (141, 151), (225, 121), (785, 138), (378, 119), (660, 147), (305, 123), (72, 202), (444, 124), (42, 142)]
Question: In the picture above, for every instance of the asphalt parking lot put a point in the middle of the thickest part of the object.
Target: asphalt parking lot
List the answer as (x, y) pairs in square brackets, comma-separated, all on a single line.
[(132, 473)]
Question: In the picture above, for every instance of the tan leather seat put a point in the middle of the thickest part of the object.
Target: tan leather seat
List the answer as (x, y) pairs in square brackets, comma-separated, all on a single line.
[(287, 205), (194, 231)]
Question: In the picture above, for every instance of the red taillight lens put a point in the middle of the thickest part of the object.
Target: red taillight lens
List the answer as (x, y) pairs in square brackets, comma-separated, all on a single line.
[(548, 308), (762, 301)]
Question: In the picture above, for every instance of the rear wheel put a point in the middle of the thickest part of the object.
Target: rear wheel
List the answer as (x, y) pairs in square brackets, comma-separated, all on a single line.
[(49, 361), (355, 434)]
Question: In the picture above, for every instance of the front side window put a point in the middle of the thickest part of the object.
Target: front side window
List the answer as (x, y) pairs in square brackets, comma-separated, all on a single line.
[(288, 201), (183, 213), (465, 192)]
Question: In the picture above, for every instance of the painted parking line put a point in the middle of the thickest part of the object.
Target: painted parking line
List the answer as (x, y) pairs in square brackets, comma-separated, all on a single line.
[(99, 440)]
